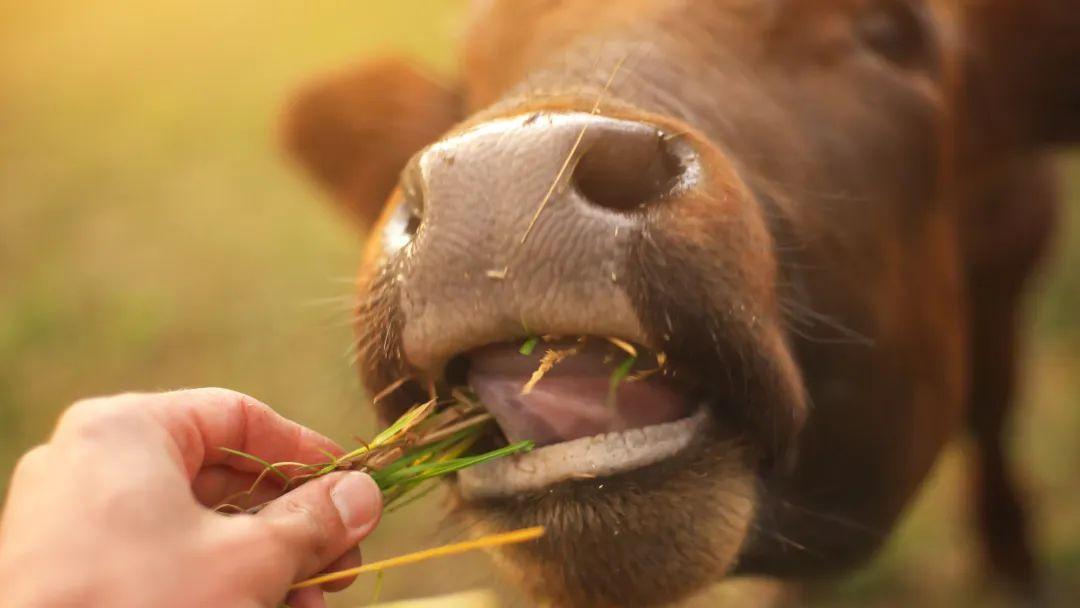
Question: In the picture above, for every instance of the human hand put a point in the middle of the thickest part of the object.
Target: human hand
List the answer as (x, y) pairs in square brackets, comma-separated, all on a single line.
[(113, 510)]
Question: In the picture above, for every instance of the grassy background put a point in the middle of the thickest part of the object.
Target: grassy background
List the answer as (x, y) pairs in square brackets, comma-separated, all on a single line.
[(152, 237)]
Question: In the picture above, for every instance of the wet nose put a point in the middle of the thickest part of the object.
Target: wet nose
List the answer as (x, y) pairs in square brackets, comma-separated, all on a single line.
[(614, 164), (527, 224)]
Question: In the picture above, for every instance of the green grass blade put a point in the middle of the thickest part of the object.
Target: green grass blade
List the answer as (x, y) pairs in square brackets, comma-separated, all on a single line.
[(437, 469), (618, 377), (377, 591), (529, 346), (400, 501), (410, 458), (407, 420)]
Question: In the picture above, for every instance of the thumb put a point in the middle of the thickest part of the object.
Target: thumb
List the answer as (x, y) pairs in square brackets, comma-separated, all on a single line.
[(305, 530)]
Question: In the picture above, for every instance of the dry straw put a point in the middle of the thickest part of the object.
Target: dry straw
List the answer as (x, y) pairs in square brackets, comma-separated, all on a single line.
[(485, 542)]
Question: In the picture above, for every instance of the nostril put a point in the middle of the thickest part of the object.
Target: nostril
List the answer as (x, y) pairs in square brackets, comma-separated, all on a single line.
[(626, 169), (412, 193), (407, 211), (412, 225)]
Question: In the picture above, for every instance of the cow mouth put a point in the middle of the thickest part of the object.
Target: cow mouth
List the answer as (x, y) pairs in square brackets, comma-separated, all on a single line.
[(606, 407)]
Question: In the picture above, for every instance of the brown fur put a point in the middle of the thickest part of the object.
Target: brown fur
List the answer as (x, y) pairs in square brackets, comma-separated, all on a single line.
[(642, 550), (902, 199), (355, 130)]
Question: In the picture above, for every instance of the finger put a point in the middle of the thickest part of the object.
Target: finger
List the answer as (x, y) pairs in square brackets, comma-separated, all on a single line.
[(311, 526), (200, 421), (311, 597), (211, 418), (350, 559), (219, 484)]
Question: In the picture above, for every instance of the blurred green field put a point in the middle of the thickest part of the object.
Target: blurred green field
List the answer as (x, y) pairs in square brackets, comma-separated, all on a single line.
[(152, 237)]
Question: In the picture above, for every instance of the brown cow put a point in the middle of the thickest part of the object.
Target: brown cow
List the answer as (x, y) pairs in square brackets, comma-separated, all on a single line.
[(821, 212)]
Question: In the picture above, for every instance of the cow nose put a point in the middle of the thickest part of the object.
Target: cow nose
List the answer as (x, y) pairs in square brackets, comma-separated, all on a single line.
[(615, 164), (526, 224)]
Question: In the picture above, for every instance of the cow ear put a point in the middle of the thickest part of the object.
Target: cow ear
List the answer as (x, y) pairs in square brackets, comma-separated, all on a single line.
[(354, 130), (1026, 59)]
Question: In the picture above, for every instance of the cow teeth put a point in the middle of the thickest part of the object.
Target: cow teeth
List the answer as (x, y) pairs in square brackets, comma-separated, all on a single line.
[(587, 457)]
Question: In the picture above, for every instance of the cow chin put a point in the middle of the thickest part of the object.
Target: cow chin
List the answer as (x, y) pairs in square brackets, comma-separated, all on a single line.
[(642, 538)]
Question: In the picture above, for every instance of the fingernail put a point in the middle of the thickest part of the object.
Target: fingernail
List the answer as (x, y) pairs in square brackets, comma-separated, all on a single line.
[(357, 499)]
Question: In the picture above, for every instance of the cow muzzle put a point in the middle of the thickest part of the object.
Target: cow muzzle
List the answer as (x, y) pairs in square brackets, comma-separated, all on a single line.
[(553, 224), (522, 225)]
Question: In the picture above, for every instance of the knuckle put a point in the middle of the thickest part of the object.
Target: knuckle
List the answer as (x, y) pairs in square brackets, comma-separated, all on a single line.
[(256, 531), (32, 461), (292, 535), (302, 533), (246, 534), (217, 393), (93, 412), (227, 398), (310, 527), (99, 418)]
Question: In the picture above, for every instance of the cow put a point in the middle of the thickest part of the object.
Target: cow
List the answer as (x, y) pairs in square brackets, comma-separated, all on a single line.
[(816, 217)]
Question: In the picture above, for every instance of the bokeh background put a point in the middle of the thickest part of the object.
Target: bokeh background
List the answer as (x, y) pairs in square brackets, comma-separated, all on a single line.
[(152, 236)]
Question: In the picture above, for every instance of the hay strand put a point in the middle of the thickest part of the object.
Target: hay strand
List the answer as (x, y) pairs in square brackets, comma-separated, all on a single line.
[(485, 542)]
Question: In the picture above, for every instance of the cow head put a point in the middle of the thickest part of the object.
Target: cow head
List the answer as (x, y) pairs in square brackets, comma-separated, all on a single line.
[(683, 177)]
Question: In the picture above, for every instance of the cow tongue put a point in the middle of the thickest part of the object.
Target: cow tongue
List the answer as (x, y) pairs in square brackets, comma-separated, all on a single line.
[(571, 400)]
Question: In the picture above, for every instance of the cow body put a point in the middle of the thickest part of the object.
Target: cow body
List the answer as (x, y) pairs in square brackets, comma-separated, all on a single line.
[(848, 203)]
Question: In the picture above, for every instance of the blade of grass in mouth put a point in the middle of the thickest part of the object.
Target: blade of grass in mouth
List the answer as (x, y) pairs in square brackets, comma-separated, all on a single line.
[(618, 377), (529, 346)]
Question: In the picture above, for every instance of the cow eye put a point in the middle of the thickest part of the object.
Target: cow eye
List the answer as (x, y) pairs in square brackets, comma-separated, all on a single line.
[(896, 30)]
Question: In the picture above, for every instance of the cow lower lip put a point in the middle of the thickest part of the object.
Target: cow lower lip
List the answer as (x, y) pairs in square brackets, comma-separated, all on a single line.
[(584, 458), (575, 399)]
